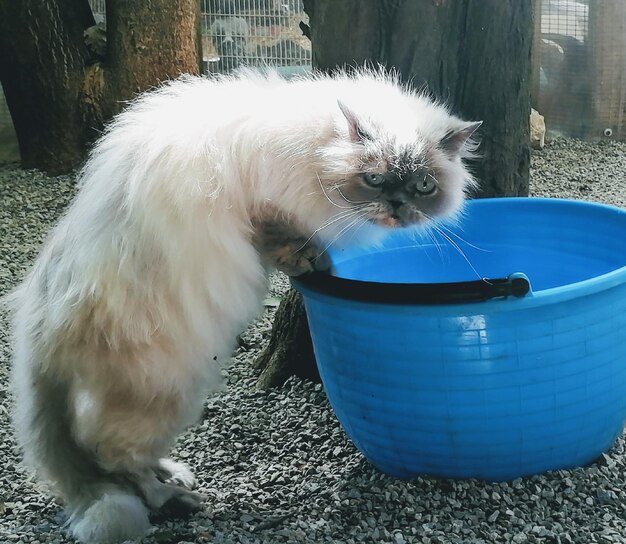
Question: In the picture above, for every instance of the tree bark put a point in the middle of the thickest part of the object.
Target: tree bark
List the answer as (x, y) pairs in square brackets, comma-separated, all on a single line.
[(473, 54), (291, 352), (59, 94), (150, 42), (42, 63)]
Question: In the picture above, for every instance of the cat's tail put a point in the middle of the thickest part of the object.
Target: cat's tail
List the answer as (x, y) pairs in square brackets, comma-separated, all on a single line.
[(102, 507)]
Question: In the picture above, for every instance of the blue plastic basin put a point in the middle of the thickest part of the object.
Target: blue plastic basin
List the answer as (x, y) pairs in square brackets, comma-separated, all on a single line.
[(429, 375)]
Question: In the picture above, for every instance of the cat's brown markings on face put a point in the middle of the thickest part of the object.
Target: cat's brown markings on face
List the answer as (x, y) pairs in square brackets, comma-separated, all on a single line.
[(405, 186)]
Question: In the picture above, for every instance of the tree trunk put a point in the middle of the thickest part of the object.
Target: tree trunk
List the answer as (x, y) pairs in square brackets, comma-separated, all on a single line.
[(42, 63), (473, 54), (150, 42), (60, 95)]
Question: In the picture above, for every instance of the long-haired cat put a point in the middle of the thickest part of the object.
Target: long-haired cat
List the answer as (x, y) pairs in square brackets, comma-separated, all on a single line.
[(192, 193)]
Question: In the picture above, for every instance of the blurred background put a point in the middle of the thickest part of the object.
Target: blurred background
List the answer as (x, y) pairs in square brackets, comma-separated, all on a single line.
[(578, 67)]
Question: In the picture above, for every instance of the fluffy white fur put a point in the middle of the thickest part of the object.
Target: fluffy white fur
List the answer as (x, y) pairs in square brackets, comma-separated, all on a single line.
[(113, 518), (142, 287)]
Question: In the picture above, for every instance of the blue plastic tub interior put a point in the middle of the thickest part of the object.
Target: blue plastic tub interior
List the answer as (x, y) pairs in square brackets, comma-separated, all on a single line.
[(552, 247), (495, 389)]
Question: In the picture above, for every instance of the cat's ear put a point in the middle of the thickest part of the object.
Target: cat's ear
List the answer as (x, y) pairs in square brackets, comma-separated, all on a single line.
[(457, 138), (355, 132)]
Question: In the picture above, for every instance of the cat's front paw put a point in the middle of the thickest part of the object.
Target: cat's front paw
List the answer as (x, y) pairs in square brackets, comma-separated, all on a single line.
[(298, 257), (285, 246)]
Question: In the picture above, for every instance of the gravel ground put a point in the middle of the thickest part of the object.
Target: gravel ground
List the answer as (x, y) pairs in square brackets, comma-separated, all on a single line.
[(276, 466)]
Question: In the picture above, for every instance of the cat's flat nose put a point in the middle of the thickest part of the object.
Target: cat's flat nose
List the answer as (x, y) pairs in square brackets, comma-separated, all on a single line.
[(395, 204)]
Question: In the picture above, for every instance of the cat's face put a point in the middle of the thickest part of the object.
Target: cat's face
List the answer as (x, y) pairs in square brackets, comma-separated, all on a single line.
[(400, 177)]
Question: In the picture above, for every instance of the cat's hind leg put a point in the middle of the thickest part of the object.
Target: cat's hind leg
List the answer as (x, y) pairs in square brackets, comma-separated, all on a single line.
[(115, 516), (126, 447), (99, 444), (158, 494), (130, 432), (102, 507)]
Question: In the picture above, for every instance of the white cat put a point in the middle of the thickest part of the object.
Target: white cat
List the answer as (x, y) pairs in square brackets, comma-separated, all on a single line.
[(140, 290)]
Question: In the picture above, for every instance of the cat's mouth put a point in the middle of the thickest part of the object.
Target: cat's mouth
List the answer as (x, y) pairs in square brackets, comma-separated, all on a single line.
[(390, 221), (398, 217), (396, 220)]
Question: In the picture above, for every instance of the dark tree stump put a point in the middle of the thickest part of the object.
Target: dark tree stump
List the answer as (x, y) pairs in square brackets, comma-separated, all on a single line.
[(290, 351), (474, 55), (60, 93), (43, 60)]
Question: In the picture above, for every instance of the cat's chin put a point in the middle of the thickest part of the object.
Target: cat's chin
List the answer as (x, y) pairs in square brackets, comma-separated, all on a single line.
[(389, 222), (394, 222)]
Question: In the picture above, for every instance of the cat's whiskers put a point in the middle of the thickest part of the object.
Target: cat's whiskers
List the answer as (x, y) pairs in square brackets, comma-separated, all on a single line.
[(342, 216), (359, 217), (328, 197), (435, 242), (457, 247), (355, 232), (337, 188), (452, 233)]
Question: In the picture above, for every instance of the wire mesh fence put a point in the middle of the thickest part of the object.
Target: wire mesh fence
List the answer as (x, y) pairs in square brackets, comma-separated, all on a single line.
[(580, 67), (254, 33)]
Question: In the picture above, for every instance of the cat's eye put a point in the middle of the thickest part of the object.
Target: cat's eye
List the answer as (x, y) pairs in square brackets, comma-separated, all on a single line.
[(374, 180), (427, 185)]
